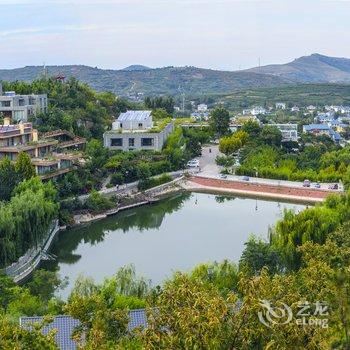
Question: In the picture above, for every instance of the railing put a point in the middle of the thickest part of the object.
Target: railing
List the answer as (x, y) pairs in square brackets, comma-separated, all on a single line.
[(27, 263)]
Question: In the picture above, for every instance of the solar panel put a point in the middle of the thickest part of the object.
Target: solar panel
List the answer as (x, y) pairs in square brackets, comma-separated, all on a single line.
[(137, 318), (66, 325), (134, 115)]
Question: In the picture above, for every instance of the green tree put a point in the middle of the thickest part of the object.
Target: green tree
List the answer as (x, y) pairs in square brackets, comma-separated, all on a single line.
[(24, 167), (8, 179), (270, 135), (220, 121)]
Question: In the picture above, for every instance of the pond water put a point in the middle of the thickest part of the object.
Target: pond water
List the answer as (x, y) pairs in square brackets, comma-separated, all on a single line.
[(175, 234)]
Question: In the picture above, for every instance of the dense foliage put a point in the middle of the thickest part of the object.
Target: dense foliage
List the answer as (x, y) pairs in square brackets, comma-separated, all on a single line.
[(26, 218), (73, 106)]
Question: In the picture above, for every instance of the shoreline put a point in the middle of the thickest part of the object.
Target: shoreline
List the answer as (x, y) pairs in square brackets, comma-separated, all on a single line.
[(195, 184)]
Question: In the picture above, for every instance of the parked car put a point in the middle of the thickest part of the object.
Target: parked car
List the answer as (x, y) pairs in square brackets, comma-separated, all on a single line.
[(245, 178), (223, 176), (317, 185), (194, 163), (333, 187), (306, 183)]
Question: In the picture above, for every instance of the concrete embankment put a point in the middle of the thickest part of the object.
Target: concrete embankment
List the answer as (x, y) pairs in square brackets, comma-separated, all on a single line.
[(246, 189)]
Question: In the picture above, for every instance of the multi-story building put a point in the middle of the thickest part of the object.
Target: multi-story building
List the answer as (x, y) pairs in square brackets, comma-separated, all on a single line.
[(280, 105), (202, 107), (322, 129), (20, 107), (135, 130), (50, 155), (258, 110), (289, 131)]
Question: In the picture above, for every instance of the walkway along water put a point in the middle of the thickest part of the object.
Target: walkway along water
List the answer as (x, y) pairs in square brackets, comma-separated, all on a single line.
[(27, 263)]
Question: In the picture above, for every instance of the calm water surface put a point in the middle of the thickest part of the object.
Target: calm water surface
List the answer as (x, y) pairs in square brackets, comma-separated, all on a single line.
[(174, 234)]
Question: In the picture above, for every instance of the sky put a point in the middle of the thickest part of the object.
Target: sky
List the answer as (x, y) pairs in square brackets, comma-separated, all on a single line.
[(217, 34)]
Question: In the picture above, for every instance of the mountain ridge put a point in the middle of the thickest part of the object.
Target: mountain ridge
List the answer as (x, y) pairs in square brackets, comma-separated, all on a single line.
[(138, 79), (315, 68)]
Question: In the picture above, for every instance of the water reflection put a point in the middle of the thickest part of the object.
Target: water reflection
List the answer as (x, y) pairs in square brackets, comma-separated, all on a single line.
[(174, 234), (141, 218)]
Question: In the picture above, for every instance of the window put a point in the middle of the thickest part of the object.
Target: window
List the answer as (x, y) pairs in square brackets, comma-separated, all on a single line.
[(147, 141), (131, 142), (5, 103), (117, 142)]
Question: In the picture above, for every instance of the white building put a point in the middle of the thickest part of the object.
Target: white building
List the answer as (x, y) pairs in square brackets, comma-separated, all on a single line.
[(280, 105), (311, 108), (202, 107), (289, 131), (295, 109), (345, 110), (258, 110), (135, 130), (20, 107)]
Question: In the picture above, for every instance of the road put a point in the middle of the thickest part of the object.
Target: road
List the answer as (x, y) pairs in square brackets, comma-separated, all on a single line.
[(209, 168)]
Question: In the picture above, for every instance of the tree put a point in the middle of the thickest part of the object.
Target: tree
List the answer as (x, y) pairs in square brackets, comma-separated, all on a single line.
[(231, 144), (220, 121), (252, 128), (167, 103), (258, 254), (190, 314), (271, 136), (8, 179), (44, 284), (13, 336), (24, 167)]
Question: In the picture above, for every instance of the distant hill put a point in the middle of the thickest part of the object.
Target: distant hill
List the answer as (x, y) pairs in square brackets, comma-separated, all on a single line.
[(136, 79), (136, 67), (300, 95), (310, 69), (168, 80)]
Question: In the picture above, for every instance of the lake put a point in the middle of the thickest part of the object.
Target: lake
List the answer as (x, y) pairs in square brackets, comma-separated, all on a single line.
[(174, 234)]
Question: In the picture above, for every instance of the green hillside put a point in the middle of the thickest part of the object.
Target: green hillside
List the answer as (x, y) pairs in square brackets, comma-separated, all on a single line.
[(300, 95)]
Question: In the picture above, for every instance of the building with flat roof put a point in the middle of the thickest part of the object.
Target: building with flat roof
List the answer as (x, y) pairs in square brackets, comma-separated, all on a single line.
[(135, 130), (20, 107), (49, 154), (289, 131)]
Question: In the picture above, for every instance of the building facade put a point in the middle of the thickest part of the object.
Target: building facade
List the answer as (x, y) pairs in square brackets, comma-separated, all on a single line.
[(49, 154), (134, 130), (20, 107), (289, 131)]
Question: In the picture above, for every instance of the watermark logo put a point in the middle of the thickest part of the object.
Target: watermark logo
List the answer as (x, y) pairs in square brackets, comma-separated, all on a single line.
[(274, 314), (308, 314)]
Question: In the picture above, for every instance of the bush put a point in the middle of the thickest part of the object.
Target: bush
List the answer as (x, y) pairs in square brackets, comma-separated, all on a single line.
[(97, 203), (153, 182)]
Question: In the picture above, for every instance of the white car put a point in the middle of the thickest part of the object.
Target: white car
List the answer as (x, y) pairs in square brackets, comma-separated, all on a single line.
[(193, 163)]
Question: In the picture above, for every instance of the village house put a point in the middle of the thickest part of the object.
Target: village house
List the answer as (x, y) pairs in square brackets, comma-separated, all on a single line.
[(135, 130), (280, 105), (322, 129)]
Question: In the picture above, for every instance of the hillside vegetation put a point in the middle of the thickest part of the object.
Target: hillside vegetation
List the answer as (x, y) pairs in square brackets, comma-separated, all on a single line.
[(309, 69), (300, 95), (168, 80)]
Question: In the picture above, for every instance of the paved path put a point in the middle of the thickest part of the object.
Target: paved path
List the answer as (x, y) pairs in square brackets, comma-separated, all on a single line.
[(210, 169), (261, 190)]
